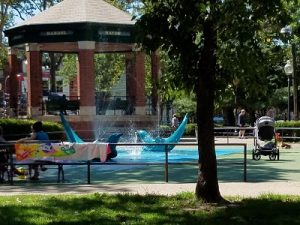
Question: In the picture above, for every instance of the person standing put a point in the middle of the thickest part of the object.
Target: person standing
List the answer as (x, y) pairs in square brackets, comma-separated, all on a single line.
[(39, 135), (175, 122), (241, 123), (270, 112)]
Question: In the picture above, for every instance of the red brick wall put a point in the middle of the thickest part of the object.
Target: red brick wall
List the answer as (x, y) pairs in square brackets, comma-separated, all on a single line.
[(130, 76), (34, 78), (135, 77), (12, 81), (84, 129), (74, 88), (86, 77), (140, 79)]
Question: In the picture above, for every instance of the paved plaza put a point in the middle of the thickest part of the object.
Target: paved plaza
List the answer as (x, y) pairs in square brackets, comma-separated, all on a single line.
[(263, 176)]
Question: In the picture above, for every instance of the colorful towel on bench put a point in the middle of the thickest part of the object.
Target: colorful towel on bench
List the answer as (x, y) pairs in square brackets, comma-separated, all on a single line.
[(62, 151)]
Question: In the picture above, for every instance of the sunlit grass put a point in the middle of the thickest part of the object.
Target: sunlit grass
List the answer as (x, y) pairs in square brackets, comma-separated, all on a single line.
[(150, 209)]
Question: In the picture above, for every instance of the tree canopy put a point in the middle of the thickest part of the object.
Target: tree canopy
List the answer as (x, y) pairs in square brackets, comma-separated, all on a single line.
[(214, 46), (221, 50)]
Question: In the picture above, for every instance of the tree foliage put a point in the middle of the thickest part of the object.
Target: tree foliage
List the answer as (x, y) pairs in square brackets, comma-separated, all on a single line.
[(108, 69), (215, 44), (186, 103), (68, 68), (13, 11), (250, 58)]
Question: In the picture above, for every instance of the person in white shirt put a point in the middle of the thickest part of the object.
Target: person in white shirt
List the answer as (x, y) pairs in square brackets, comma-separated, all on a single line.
[(175, 121)]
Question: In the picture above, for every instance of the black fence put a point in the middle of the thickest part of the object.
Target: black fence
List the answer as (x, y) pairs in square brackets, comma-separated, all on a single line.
[(105, 105), (114, 105), (8, 163)]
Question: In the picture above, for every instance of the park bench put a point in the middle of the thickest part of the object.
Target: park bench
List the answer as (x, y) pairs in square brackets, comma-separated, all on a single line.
[(62, 105)]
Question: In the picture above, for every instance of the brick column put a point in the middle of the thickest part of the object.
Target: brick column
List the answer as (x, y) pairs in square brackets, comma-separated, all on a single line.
[(130, 88), (12, 82), (155, 66), (135, 80), (86, 77), (74, 88), (34, 80)]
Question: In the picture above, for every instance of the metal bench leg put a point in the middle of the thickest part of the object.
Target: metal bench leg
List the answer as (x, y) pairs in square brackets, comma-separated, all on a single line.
[(2, 172), (60, 172)]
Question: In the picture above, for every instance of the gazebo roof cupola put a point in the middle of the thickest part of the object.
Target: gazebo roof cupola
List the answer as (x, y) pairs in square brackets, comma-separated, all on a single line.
[(75, 20)]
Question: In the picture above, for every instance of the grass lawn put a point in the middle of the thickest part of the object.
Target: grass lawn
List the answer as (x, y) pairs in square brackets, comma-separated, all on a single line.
[(150, 209)]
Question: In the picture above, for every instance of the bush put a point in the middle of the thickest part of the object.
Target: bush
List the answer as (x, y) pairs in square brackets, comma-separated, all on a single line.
[(291, 124), (14, 129), (165, 130), (190, 129)]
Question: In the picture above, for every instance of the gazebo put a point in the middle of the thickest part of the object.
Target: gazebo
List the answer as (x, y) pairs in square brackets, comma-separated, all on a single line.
[(83, 27)]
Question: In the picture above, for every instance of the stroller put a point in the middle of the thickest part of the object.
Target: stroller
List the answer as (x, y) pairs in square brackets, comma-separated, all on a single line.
[(265, 142)]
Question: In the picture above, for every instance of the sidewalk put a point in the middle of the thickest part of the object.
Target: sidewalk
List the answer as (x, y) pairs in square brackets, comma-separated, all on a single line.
[(226, 189)]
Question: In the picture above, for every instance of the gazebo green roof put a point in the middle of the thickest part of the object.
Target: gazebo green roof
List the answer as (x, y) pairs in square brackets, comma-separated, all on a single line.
[(75, 20)]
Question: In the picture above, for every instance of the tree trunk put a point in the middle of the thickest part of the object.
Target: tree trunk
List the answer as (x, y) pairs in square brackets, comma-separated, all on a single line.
[(207, 187)]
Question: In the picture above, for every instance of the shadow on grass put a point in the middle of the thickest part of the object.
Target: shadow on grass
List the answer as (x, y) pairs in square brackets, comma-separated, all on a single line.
[(150, 209)]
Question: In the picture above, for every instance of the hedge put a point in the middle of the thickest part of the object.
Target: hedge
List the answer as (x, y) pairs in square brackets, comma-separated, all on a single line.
[(292, 123), (165, 131), (14, 129), (287, 124), (190, 128)]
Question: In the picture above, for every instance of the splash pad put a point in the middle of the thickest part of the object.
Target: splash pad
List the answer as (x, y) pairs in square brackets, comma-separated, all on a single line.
[(147, 153), (180, 153), (174, 138)]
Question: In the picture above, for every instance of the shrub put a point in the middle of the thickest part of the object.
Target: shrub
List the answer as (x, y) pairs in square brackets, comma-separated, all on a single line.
[(14, 129), (190, 129), (293, 123), (286, 132), (165, 130)]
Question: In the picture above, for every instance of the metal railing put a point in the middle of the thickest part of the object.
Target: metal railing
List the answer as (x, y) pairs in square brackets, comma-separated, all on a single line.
[(228, 134), (115, 105), (284, 132), (63, 103), (11, 163)]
